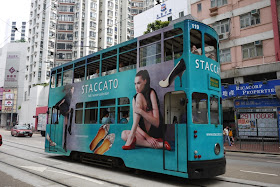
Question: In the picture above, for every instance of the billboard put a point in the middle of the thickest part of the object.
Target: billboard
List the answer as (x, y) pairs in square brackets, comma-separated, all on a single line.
[(12, 67), (9, 103)]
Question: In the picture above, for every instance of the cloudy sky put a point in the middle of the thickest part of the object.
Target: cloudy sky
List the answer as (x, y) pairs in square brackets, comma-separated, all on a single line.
[(12, 10)]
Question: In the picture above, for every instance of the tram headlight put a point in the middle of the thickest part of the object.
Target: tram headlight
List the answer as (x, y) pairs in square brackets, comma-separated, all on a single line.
[(217, 148)]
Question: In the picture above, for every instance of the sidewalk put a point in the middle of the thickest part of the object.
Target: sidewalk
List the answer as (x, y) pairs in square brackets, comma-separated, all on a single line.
[(254, 147)]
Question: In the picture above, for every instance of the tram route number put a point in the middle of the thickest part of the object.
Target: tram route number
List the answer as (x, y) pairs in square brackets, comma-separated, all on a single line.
[(195, 26), (256, 115)]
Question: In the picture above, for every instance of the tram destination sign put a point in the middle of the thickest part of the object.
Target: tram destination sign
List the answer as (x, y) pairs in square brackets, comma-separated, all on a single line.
[(214, 82)]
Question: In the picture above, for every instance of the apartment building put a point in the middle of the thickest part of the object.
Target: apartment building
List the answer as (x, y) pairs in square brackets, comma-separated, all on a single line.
[(63, 30), (18, 31), (249, 54)]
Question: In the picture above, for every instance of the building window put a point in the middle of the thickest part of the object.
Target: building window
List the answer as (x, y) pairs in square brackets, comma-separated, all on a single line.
[(199, 7), (250, 19), (225, 55), (252, 50), (221, 26), (181, 14), (169, 18), (218, 3)]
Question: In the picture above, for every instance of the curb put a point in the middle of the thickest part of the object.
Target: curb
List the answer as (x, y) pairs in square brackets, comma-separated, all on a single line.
[(271, 153)]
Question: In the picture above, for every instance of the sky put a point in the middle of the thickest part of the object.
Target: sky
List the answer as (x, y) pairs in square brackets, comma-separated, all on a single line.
[(13, 10)]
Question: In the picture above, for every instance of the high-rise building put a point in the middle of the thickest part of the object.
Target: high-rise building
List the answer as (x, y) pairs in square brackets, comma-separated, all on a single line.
[(63, 30), (12, 63), (18, 31)]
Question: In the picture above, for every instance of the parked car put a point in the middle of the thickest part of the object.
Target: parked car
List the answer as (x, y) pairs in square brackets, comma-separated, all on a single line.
[(0, 140), (21, 130)]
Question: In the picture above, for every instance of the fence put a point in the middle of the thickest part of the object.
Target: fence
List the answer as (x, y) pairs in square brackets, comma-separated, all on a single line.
[(255, 144)]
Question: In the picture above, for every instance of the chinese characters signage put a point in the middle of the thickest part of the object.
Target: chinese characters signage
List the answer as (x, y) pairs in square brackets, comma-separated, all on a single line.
[(256, 103), (164, 11), (214, 82), (9, 103), (12, 66)]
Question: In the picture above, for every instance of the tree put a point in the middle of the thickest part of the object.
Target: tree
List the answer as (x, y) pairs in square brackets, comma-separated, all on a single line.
[(158, 24)]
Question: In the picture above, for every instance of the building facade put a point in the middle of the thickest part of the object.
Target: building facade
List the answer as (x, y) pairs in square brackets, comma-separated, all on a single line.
[(64, 30), (18, 31), (166, 11), (250, 67), (12, 63)]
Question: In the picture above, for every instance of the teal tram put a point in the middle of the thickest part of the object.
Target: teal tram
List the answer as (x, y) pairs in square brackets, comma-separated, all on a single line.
[(152, 103)]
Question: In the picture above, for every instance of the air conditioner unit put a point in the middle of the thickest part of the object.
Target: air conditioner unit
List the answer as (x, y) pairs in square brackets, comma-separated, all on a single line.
[(255, 12), (258, 42), (223, 36)]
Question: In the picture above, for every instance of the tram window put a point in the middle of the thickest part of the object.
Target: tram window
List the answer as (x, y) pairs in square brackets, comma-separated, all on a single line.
[(80, 63), (109, 53), (79, 113), (150, 54), (199, 108), (210, 47), (109, 65), (93, 70), (67, 77), (93, 59), (107, 115), (91, 104), (108, 102), (49, 115), (150, 40), (59, 80), (196, 41), (128, 47), (127, 60), (173, 48), (173, 32), (79, 74), (123, 101), (123, 114), (79, 105), (53, 79), (214, 110), (91, 116), (91, 112)]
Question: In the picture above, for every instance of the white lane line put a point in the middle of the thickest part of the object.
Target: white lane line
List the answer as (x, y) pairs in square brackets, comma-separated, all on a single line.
[(259, 173), (78, 176), (273, 162), (52, 160)]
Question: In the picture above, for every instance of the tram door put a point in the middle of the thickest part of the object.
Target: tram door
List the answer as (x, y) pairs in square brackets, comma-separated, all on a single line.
[(175, 104), (51, 131)]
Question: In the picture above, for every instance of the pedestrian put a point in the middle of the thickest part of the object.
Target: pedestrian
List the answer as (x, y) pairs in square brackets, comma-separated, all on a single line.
[(226, 137), (230, 134)]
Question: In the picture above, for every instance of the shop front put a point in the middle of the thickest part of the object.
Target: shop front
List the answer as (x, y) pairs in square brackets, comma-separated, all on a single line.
[(256, 108)]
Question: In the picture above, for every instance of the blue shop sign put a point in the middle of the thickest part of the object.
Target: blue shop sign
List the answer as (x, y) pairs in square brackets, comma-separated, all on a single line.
[(252, 103), (247, 89)]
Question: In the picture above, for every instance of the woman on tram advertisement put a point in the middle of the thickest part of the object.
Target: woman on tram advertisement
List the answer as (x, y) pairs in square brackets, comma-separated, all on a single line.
[(147, 127)]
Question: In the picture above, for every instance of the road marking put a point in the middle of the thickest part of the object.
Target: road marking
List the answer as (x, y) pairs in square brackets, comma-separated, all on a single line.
[(41, 169), (259, 173), (78, 176), (51, 160), (273, 162)]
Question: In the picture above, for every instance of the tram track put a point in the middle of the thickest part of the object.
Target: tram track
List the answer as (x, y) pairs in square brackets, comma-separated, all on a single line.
[(54, 167), (190, 182)]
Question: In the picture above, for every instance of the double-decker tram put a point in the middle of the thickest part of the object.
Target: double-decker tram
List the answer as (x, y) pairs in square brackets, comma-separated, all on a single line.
[(152, 103)]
